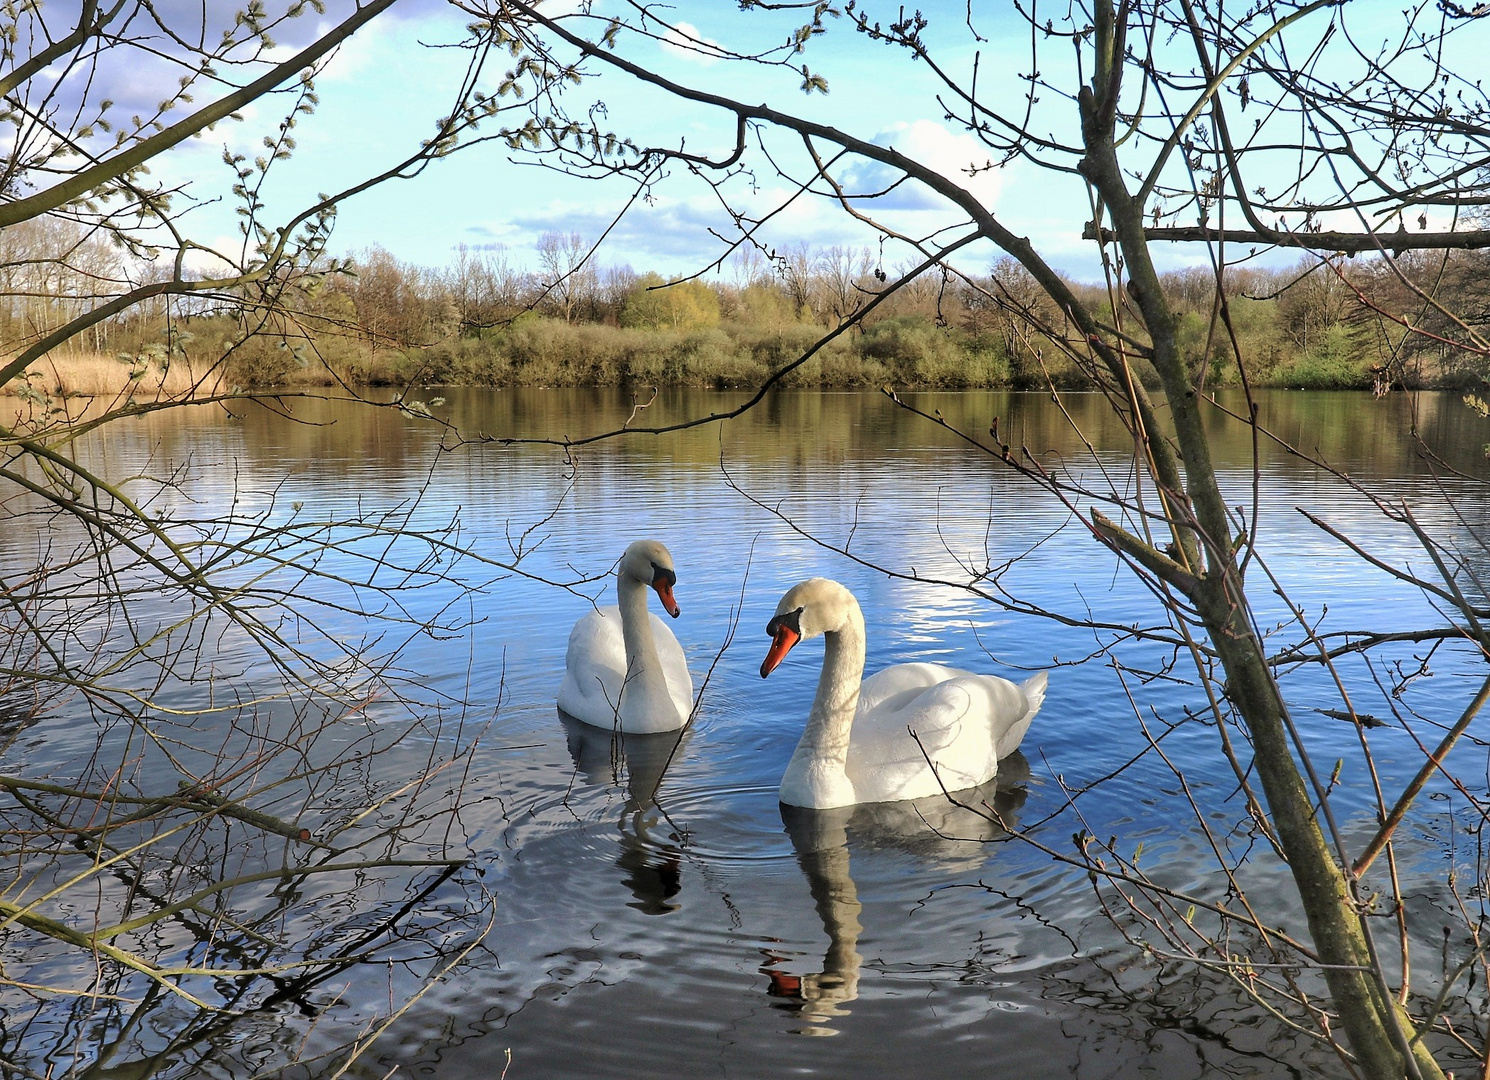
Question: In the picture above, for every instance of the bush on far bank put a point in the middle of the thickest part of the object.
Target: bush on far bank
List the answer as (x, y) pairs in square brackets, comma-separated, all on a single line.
[(689, 333), (909, 352), (541, 351)]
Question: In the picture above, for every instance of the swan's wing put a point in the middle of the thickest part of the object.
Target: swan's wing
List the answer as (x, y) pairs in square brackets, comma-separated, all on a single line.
[(674, 665), (594, 668), (895, 686), (961, 723), (886, 762), (1011, 707)]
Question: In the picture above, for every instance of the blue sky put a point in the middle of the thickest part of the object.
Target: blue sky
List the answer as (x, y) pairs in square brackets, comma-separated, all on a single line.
[(382, 92)]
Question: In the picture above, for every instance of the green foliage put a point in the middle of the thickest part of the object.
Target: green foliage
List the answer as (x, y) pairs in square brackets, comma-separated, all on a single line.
[(654, 304), (764, 306), (263, 361), (391, 323), (1036, 363), (1336, 363), (1263, 343), (1201, 350), (917, 352)]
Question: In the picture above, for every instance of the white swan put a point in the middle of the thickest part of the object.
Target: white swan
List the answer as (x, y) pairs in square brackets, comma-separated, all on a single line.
[(624, 668), (858, 745)]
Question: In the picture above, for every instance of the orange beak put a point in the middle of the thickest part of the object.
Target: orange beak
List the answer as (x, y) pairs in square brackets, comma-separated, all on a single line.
[(665, 591), (781, 644)]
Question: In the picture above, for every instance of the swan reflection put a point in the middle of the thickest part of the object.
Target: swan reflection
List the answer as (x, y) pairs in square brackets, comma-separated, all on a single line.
[(933, 828), (650, 856)]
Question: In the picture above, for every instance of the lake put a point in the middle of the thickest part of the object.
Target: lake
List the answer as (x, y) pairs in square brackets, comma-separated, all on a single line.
[(700, 929)]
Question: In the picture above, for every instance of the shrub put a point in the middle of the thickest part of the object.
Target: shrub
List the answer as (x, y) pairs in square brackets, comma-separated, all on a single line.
[(679, 305), (1336, 363), (765, 306)]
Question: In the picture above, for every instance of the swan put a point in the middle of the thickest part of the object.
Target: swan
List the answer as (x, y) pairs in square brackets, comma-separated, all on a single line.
[(624, 668), (858, 745)]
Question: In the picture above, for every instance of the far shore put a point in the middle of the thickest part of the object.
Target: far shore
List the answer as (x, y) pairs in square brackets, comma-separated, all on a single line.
[(62, 376)]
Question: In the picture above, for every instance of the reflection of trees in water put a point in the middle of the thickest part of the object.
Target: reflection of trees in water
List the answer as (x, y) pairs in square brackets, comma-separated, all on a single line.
[(128, 1031), (1173, 1022), (154, 926), (1029, 951), (1118, 1005), (1110, 1004), (17, 713), (1372, 438)]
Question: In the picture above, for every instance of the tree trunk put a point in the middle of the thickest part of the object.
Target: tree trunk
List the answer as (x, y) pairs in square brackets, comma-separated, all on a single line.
[(1378, 1030)]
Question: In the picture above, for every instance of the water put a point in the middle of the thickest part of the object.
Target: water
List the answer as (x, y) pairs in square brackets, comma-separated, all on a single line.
[(704, 932)]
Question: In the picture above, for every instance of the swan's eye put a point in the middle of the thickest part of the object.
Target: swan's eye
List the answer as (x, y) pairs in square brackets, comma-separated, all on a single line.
[(662, 573), (792, 620)]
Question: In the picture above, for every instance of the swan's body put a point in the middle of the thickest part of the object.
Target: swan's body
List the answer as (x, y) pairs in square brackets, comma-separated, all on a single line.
[(624, 668), (869, 741)]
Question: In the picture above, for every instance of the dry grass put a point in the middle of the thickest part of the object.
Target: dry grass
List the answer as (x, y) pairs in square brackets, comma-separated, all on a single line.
[(95, 375)]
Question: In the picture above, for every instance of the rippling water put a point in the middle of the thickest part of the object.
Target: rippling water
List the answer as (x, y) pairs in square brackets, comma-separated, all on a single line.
[(702, 932)]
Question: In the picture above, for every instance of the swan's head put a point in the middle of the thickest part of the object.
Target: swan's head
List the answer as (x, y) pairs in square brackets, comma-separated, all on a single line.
[(812, 607), (652, 564)]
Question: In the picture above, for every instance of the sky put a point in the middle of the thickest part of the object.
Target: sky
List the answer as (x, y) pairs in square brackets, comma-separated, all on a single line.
[(382, 91), (380, 95)]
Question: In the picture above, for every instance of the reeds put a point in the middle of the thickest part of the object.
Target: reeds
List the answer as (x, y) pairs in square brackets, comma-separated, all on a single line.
[(95, 375)]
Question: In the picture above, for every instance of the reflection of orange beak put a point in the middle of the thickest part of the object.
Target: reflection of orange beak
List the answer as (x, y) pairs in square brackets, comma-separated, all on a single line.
[(783, 985), (665, 590), (781, 644)]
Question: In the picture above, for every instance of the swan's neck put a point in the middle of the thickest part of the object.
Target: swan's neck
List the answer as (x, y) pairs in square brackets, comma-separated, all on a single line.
[(816, 775), (645, 691)]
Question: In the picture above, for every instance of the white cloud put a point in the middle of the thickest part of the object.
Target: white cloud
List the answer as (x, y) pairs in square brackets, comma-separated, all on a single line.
[(956, 155), (684, 39)]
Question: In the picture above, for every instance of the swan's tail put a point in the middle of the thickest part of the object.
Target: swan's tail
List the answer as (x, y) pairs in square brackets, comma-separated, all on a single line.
[(1034, 696), (1034, 691)]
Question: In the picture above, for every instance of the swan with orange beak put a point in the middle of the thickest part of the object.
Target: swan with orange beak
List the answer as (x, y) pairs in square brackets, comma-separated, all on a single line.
[(906, 732), (624, 669)]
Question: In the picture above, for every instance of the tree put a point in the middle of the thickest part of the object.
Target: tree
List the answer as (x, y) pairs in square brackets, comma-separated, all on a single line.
[(1343, 145), (677, 305), (845, 276), (52, 272), (485, 286), (569, 277), (191, 856), (616, 283)]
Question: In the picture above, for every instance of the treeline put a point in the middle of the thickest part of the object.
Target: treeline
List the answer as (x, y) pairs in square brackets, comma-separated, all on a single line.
[(484, 320)]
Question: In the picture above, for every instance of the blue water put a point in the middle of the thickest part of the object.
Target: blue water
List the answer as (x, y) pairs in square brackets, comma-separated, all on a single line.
[(693, 933)]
